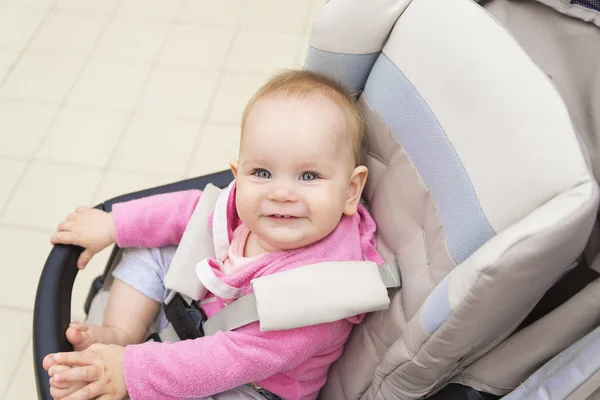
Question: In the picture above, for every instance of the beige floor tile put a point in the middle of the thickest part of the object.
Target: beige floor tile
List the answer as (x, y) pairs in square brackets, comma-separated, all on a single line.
[(120, 183), (159, 145), (103, 7), (277, 15), (109, 85), (132, 40), (83, 136), (26, 121), (48, 193), (163, 9), (262, 51), (179, 91), (7, 60), (30, 3), (13, 342), (197, 46), (24, 254), (217, 146), (11, 173), (42, 77), (234, 92), (224, 12), (22, 385), (68, 34), (17, 26)]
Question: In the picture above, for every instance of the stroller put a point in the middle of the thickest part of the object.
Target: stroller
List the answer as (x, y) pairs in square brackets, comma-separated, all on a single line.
[(482, 155)]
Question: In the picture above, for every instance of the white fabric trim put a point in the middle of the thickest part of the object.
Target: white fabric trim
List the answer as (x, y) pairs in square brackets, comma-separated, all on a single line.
[(214, 284), (319, 293), (220, 225)]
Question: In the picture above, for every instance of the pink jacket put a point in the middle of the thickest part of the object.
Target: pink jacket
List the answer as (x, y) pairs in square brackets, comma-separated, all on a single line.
[(292, 364)]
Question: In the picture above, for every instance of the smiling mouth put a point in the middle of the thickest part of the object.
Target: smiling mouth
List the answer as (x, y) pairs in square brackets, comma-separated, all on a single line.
[(282, 217)]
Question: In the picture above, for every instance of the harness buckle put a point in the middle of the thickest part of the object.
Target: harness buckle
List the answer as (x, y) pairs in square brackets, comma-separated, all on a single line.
[(186, 319)]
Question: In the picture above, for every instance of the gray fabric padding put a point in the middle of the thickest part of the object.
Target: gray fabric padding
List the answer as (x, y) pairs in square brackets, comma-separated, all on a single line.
[(436, 308), (351, 70), (415, 126), (564, 373), (502, 369)]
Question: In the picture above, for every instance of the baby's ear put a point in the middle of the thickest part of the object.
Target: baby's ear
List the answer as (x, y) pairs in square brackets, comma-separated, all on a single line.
[(355, 188), (233, 164)]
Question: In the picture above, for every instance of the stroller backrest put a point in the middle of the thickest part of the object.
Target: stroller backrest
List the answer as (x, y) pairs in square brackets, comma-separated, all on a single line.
[(476, 179)]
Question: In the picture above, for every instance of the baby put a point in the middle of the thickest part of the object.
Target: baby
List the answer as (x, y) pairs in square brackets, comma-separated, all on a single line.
[(298, 184)]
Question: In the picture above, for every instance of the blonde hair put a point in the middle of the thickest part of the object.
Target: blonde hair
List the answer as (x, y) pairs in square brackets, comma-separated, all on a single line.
[(301, 83)]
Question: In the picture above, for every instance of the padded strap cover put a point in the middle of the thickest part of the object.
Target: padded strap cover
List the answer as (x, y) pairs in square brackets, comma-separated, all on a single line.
[(196, 245)]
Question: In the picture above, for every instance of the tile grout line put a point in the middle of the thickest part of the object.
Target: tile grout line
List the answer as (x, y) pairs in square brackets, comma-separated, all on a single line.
[(215, 91), (17, 309), (16, 367), (24, 49), (61, 104), (135, 110), (29, 228), (2, 83)]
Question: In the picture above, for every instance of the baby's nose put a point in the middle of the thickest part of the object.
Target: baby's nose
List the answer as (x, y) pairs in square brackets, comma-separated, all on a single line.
[(283, 194)]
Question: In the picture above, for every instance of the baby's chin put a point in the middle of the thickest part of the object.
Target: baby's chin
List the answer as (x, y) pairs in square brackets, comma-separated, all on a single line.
[(281, 244)]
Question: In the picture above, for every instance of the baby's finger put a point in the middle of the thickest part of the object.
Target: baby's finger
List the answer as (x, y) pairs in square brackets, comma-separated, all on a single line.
[(48, 361), (66, 225), (87, 392), (76, 358), (88, 373), (55, 369), (59, 393), (63, 237), (84, 259), (72, 216), (81, 209)]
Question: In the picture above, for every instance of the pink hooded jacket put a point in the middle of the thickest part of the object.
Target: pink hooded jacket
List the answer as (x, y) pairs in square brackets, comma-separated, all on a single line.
[(292, 364)]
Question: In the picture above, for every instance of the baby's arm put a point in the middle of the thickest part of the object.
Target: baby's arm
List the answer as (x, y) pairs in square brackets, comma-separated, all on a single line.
[(152, 221), (213, 364)]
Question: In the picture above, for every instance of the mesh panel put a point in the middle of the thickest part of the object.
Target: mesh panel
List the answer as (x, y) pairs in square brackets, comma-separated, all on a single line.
[(593, 4)]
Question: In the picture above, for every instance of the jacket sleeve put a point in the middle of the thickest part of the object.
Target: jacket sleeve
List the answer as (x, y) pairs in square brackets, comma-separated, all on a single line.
[(154, 221), (214, 364)]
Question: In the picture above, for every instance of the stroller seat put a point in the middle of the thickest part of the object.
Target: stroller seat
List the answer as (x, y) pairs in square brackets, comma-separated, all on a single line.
[(479, 188)]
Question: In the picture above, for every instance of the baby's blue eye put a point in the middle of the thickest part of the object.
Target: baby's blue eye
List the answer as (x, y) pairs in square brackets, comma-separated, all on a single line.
[(262, 173), (309, 176)]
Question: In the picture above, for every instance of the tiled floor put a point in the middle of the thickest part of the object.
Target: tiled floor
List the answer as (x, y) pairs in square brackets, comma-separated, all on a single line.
[(104, 97)]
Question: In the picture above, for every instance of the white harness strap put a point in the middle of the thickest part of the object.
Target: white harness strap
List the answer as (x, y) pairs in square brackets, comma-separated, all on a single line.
[(196, 245), (221, 226), (311, 295)]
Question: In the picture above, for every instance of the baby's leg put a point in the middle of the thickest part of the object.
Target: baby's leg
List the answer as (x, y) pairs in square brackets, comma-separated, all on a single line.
[(128, 316), (134, 301)]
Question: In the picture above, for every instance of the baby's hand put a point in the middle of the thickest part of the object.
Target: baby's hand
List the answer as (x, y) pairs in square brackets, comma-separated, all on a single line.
[(61, 390), (89, 228), (100, 367)]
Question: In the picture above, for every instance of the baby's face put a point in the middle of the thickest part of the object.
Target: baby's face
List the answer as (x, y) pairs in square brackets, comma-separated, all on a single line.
[(294, 172)]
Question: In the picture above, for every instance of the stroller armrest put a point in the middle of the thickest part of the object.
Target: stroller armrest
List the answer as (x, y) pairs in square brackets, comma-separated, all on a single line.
[(52, 310)]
